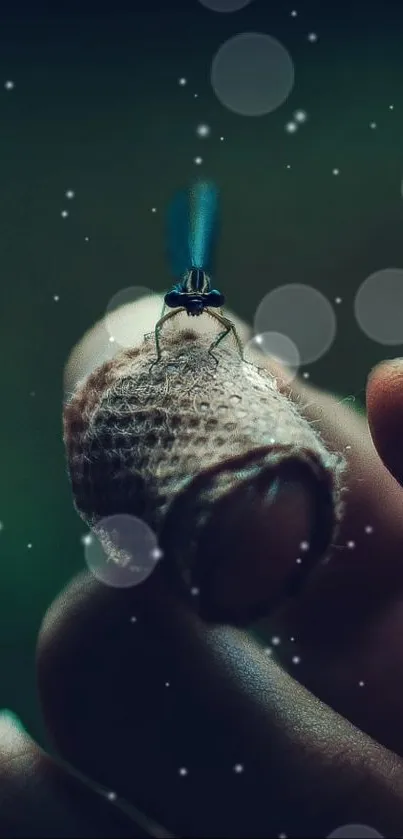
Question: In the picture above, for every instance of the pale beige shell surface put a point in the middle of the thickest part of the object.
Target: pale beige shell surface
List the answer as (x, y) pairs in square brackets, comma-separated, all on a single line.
[(135, 435), (168, 442)]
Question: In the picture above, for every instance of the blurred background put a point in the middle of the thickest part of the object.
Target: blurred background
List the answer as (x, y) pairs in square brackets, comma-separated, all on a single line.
[(99, 114)]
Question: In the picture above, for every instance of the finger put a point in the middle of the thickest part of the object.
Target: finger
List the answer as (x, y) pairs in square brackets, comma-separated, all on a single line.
[(385, 413), (39, 798), (198, 727)]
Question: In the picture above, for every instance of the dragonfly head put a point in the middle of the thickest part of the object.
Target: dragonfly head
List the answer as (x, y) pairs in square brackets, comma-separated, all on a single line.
[(195, 305)]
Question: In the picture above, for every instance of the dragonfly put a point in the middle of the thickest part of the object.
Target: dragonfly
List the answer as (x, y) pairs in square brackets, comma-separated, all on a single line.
[(192, 231)]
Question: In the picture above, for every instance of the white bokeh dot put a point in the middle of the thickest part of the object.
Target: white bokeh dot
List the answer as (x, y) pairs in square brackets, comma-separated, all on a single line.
[(121, 551), (203, 130), (378, 306), (252, 74), (300, 116), (303, 314), (278, 347), (118, 317)]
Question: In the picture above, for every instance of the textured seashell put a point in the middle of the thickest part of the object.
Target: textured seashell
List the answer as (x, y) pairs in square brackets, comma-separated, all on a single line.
[(185, 445)]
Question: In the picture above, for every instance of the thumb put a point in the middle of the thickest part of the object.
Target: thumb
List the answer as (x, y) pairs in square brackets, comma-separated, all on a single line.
[(385, 413)]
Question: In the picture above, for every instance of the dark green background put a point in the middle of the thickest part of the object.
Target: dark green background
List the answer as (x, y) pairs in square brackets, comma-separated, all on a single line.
[(97, 108)]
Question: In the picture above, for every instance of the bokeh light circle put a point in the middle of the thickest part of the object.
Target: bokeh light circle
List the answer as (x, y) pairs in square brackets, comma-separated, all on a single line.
[(378, 306), (303, 314), (121, 551), (278, 347), (119, 316), (252, 74), (225, 5), (355, 831)]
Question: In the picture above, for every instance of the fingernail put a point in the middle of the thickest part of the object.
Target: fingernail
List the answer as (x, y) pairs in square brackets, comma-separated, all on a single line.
[(262, 544)]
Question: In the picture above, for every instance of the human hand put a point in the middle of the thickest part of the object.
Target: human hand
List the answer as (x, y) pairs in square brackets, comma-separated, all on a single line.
[(306, 770)]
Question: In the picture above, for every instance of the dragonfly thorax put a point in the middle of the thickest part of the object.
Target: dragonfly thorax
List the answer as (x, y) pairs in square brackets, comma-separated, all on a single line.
[(196, 281)]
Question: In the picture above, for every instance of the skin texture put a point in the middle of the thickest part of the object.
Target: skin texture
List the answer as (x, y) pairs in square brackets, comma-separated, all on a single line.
[(317, 750)]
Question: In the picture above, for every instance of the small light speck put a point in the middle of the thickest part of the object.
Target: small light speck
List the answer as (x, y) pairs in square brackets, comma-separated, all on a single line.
[(153, 209), (304, 546), (203, 130), (391, 107), (294, 13), (1, 526), (272, 441), (300, 116), (167, 684), (56, 298), (335, 171), (183, 771), (238, 768), (64, 213), (298, 560), (361, 684), (86, 539), (133, 619), (29, 545), (268, 651), (182, 81), (275, 641), (111, 339), (194, 591), (292, 639), (87, 238), (372, 125), (196, 95), (111, 796), (296, 659), (70, 193), (347, 448), (221, 138), (338, 300), (288, 166), (312, 37), (282, 836), (369, 529), (198, 161), (291, 127), (9, 85), (305, 375), (157, 554), (351, 544)]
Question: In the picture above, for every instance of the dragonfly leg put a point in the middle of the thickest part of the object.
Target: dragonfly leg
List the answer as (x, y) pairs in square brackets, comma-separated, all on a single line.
[(157, 331), (229, 327)]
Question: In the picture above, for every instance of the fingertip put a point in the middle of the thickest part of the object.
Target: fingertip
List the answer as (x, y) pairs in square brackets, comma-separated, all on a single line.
[(384, 401)]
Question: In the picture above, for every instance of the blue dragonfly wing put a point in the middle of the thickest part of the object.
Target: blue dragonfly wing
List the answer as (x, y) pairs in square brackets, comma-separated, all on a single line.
[(203, 225), (178, 226)]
